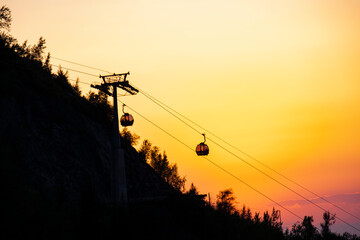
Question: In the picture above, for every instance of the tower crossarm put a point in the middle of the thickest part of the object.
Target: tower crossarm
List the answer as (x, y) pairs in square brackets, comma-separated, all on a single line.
[(103, 88), (115, 80), (124, 85)]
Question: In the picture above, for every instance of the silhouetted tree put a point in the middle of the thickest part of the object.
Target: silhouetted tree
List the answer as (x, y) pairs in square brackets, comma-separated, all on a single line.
[(225, 201), (38, 50), (308, 229), (275, 219), (305, 230), (248, 214), (174, 178), (5, 18), (160, 163), (144, 150), (245, 213), (329, 219), (34, 53), (296, 231), (76, 87), (129, 138), (156, 161), (62, 75), (348, 236), (194, 194), (257, 217), (5, 22), (193, 190), (47, 66), (100, 100), (24, 50), (266, 220)]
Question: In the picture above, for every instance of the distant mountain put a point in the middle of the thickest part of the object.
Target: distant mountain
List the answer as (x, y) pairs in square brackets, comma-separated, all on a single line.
[(351, 198)]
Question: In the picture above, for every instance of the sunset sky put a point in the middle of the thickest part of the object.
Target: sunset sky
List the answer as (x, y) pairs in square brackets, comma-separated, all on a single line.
[(280, 80)]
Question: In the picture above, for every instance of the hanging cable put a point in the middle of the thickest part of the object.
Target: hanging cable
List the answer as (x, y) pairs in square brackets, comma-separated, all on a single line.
[(234, 176), (79, 81), (216, 165), (60, 59), (154, 101), (93, 75), (163, 105)]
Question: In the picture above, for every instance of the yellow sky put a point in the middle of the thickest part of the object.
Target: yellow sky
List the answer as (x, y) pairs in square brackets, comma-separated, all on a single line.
[(278, 79)]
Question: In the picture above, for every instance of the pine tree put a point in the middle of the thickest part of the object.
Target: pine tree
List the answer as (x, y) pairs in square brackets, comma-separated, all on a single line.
[(38, 50), (225, 201), (5, 18)]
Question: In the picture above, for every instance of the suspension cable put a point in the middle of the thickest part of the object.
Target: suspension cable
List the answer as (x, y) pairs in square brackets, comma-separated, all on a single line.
[(215, 164), (162, 105), (79, 64)]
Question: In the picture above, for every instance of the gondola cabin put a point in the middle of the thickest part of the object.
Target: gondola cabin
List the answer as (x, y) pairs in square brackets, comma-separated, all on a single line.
[(126, 120), (202, 149)]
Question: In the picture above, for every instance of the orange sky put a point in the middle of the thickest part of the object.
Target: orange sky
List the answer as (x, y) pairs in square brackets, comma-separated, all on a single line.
[(278, 79)]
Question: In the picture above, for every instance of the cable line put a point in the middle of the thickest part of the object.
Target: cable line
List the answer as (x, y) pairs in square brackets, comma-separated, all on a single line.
[(169, 111), (161, 104), (237, 178), (218, 166), (93, 75), (79, 81), (80, 64)]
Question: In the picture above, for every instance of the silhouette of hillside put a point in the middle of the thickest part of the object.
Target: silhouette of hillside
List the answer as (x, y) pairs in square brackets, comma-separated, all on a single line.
[(59, 138)]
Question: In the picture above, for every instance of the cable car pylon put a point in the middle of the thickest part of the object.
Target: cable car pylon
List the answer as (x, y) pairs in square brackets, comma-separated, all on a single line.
[(118, 182)]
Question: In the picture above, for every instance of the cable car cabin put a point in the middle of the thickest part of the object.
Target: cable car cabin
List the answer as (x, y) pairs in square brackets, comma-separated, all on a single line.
[(202, 149), (126, 120)]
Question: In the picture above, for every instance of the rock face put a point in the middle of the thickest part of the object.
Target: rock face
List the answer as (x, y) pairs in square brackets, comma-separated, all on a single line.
[(52, 138)]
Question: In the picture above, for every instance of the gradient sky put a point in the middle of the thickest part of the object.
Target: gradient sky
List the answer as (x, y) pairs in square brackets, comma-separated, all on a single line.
[(278, 79)]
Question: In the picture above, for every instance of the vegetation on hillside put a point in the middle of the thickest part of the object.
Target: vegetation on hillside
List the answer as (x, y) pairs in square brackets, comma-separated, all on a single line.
[(157, 160), (160, 163)]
